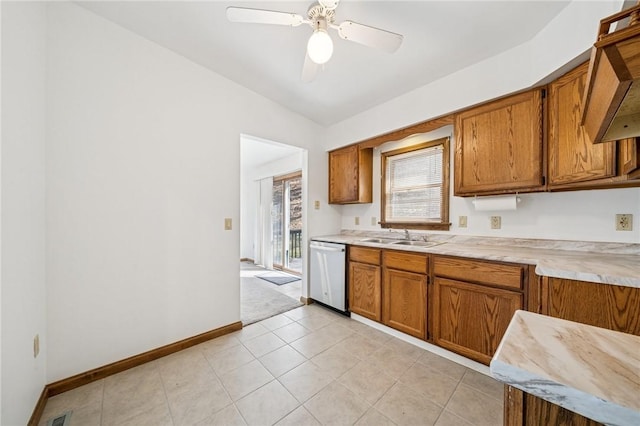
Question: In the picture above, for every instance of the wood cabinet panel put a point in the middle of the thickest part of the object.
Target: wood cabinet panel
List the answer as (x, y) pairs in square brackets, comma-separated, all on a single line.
[(364, 255), (543, 413), (350, 175), (499, 146), (601, 305), (629, 159), (471, 319), (405, 301), (365, 290), (572, 155), (405, 261), (479, 271)]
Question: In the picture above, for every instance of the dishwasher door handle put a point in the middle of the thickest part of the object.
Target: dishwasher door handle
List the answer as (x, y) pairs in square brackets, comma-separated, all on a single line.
[(321, 248)]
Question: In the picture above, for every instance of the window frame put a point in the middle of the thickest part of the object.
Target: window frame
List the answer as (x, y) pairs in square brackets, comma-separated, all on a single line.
[(444, 224)]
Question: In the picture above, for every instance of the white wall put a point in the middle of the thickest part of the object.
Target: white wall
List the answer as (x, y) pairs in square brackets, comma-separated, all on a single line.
[(581, 215), (143, 165), (23, 208)]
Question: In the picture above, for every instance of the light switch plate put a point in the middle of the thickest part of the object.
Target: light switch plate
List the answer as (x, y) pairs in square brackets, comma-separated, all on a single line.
[(357, 220), (496, 222), (374, 222), (316, 205), (462, 221), (227, 224)]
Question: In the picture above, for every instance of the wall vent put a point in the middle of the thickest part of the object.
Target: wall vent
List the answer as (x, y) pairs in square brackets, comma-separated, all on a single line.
[(61, 420)]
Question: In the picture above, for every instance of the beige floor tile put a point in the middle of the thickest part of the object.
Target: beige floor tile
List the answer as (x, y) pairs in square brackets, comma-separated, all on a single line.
[(299, 417), (291, 332), (404, 348), (229, 416), (264, 344), (218, 344), (443, 365), (299, 313), (86, 397), (131, 393), (193, 405), (391, 362), (153, 416), (305, 380), (230, 359), (404, 406), (367, 381), (434, 385), (179, 371), (336, 404), (85, 415), (359, 346), (373, 334), (373, 417), (276, 322), (246, 379), (483, 383), (193, 383), (475, 406), (282, 360), (335, 361), (314, 322), (250, 331), (450, 419), (267, 405), (314, 343)]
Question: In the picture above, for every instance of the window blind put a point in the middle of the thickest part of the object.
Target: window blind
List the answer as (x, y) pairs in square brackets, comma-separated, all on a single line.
[(414, 182)]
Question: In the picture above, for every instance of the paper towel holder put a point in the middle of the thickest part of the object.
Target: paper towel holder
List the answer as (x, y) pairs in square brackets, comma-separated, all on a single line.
[(497, 203)]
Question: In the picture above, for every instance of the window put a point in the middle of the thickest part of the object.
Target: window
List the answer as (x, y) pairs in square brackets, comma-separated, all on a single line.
[(415, 190)]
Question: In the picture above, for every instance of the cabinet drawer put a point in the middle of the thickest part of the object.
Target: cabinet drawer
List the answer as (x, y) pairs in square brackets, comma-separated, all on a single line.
[(405, 261), (364, 255), (479, 271)]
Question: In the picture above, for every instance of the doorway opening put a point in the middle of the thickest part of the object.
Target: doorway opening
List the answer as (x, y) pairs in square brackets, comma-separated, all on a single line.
[(286, 220)]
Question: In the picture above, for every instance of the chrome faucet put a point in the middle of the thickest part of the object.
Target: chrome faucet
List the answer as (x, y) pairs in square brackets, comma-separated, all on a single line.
[(406, 234)]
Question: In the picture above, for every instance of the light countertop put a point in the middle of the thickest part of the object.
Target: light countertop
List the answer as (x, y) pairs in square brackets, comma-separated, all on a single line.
[(589, 370), (617, 264)]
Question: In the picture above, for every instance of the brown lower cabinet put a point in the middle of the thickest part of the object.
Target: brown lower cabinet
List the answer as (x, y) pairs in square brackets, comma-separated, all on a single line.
[(404, 292), (473, 302), (365, 290), (523, 409)]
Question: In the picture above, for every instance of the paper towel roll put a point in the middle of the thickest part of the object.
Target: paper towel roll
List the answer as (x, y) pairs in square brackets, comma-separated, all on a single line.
[(509, 202)]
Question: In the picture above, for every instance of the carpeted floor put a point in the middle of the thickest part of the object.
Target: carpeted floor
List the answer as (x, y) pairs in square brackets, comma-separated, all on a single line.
[(260, 299)]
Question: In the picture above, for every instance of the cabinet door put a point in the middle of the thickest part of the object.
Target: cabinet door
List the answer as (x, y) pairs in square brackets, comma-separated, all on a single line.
[(350, 175), (629, 157), (364, 290), (572, 155), (471, 319), (499, 146), (405, 302), (607, 306)]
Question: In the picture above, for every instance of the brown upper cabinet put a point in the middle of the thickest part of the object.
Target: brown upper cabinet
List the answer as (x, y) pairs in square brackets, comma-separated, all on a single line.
[(350, 175), (629, 159), (499, 146), (572, 155)]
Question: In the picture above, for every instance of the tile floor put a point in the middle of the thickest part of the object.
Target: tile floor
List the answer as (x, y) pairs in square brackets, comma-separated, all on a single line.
[(308, 366)]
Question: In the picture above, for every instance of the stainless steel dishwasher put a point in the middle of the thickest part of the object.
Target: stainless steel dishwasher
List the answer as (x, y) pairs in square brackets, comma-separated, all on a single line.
[(328, 275)]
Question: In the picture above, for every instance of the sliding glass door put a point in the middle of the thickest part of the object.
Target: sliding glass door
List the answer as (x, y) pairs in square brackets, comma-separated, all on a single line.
[(286, 222)]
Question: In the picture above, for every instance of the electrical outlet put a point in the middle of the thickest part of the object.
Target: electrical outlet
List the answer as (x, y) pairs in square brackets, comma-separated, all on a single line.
[(357, 220), (227, 224), (316, 205), (374, 221), (36, 345), (496, 222), (462, 221), (624, 222)]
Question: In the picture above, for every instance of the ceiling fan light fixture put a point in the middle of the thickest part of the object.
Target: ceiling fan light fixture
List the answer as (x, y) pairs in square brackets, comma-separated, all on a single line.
[(320, 46)]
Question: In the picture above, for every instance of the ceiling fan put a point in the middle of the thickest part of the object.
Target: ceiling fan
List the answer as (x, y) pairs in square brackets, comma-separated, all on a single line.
[(320, 17)]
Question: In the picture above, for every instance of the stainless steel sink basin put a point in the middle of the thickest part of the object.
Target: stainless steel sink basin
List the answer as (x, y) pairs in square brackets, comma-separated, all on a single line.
[(417, 243), (377, 240)]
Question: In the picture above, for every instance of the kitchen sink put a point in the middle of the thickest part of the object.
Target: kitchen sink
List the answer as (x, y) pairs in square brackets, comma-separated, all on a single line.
[(417, 243), (377, 240)]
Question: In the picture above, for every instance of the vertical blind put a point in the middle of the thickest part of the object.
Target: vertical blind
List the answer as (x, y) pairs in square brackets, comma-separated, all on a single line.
[(414, 186)]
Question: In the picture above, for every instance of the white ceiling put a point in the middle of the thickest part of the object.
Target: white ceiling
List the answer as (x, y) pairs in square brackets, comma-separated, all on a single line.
[(255, 152), (440, 37)]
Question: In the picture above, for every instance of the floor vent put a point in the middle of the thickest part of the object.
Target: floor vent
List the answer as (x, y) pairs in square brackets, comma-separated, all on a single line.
[(61, 420)]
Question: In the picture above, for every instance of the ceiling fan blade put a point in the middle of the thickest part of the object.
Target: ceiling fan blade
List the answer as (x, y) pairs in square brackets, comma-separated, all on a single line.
[(370, 36), (259, 16), (309, 70)]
